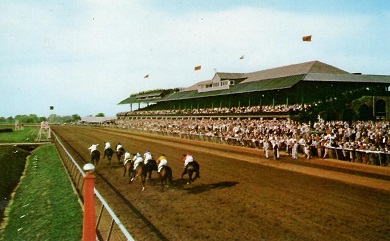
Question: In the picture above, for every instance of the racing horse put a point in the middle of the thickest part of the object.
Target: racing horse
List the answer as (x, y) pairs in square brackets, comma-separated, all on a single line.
[(165, 176), (191, 168), (95, 157), (128, 166), (140, 171), (108, 153), (119, 153), (150, 167)]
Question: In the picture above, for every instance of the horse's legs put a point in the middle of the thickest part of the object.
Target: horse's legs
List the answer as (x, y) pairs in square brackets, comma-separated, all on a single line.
[(143, 178), (124, 170), (170, 176), (184, 172), (190, 177), (131, 174), (162, 182)]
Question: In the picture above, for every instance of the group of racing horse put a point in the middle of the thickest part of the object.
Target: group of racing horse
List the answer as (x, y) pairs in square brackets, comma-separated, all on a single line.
[(142, 170)]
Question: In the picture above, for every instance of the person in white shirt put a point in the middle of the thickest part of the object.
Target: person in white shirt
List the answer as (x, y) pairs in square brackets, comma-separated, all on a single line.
[(147, 157), (119, 147), (137, 160), (93, 147), (107, 145), (127, 158), (294, 151), (187, 159)]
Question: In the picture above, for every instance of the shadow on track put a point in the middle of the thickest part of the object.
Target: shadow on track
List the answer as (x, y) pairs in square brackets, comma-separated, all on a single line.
[(206, 187)]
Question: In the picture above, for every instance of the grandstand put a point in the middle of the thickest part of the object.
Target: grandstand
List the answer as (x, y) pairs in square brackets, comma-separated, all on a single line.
[(321, 88)]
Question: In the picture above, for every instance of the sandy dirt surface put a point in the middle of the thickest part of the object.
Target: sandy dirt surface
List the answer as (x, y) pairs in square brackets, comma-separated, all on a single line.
[(240, 195)]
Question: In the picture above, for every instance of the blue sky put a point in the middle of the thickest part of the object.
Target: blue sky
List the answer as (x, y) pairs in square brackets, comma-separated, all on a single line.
[(83, 57)]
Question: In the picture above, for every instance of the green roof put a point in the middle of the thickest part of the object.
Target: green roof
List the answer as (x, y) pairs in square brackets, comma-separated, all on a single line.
[(129, 100), (271, 79), (263, 85), (353, 78)]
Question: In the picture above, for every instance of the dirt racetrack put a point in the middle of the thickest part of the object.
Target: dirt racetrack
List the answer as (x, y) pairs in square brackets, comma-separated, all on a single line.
[(240, 195)]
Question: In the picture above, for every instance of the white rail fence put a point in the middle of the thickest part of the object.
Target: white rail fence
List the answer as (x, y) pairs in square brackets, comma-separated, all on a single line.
[(108, 225)]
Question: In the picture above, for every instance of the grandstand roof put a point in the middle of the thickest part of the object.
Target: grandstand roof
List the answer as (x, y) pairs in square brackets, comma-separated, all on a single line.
[(129, 100), (224, 75), (221, 75), (347, 78), (274, 79), (294, 69)]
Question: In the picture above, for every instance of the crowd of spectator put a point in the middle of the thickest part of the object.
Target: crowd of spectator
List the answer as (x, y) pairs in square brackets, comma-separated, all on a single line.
[(221, 110), (364, 142)]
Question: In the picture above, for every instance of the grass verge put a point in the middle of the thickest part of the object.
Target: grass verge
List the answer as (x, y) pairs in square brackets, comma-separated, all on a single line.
[(44, 206), (26, 135)]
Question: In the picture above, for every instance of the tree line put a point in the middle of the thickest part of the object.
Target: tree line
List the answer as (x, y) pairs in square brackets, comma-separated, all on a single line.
[(33, 118)]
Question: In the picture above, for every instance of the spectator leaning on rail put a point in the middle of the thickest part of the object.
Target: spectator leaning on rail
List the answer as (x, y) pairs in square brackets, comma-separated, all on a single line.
[(294, 151)]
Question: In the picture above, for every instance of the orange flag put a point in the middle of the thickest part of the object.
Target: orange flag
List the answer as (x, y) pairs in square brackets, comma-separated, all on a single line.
[(306, 38), (198, 67), (146, 76)]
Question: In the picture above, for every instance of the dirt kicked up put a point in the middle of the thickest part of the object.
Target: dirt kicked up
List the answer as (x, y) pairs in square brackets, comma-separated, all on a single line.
[(240, 195)]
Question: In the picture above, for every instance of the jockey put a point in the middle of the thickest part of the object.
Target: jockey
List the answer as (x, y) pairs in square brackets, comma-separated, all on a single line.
[(127, 158), (137, 160), (162, 161), (107, 145), (119, 146), (187, 158), (147, 157), (93, 147)]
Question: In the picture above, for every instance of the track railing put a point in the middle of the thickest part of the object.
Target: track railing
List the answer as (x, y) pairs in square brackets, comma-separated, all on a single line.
[(108, 225)]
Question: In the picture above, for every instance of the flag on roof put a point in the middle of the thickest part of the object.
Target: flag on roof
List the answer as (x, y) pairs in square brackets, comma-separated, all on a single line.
[(198, 67), (146, 76), (242, 57), (306, 38)]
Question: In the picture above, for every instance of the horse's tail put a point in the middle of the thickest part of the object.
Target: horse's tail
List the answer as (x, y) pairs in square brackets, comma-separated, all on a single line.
[(197, 169)]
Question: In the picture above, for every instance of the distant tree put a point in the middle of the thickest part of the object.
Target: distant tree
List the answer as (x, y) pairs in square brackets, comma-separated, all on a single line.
[(99, 115), (76, 117), (10, 119)]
